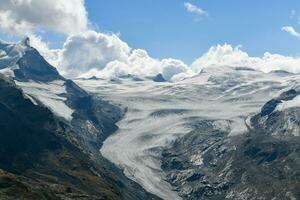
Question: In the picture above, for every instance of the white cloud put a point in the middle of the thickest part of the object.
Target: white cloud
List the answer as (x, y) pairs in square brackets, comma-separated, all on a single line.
[(195, 9), (89, 53), (139, 63), (290, 30), (227, 55), (106, 55), (220, 55), (172, 69), (84, 51), (23, 17), (91, 49), (97, 54)]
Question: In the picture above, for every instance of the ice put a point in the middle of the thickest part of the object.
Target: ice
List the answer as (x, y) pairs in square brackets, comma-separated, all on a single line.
[(7, 72), (49, 94), (2, 54), (197, 160), (289, 104), (159, 113)]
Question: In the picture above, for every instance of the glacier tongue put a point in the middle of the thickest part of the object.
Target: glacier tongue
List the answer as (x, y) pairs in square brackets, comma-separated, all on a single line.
[(142, 132)]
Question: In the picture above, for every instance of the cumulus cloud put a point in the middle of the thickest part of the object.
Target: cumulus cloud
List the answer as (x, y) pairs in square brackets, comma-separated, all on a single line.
[(226, 55), (87, 53), (290, 30), (23, 17), (106, 55), (139, 63), (173, 70), (98, 54), (91, 49), (195, 9)]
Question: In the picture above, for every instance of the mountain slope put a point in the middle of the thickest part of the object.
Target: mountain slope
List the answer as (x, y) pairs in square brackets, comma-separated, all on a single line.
[(33, 149), (52, 133)]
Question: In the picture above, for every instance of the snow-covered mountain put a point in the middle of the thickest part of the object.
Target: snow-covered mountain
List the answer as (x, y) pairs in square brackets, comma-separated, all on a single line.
[(225, 133)]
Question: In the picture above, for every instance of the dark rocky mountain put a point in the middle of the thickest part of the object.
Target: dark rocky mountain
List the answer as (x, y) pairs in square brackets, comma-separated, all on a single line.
[(278, 121), (43, 153), (159, 78)]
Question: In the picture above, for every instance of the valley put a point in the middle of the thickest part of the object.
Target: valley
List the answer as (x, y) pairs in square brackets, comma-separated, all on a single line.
[(160, 114)]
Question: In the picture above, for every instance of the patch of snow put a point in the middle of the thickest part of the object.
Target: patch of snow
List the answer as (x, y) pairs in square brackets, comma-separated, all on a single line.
[(289, 126), (290, 195), (197, 160), (248, 121), (2, 54), (289, 104), (222, 125), (7, 72), (50, 95), (58, 107), (238, 127), (19, 49), (31, 99), (91, 128)]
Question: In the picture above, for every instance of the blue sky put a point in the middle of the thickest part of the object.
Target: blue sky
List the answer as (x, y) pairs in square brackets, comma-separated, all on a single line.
[(166, 29)]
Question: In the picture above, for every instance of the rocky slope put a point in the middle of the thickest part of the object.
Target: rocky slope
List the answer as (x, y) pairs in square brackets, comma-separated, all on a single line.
[(51, 133), (261, 164)]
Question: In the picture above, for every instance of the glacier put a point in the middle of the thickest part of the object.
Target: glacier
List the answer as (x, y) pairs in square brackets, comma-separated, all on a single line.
[(159, 113)]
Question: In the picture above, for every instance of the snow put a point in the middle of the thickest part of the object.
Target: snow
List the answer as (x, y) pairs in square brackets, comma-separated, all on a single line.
[(197, 160), (49, 94), (31, 99), (159, 113), (7, 72), (2, 54), (289, 104)]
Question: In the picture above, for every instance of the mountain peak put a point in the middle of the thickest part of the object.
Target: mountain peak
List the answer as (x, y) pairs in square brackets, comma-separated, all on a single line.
[(159, 78), (25, 41)]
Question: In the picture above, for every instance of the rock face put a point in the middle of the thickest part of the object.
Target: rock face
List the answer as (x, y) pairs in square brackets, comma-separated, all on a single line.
[(51, 133), (32, 66), (280, 116), (36, 161), (207, 164), (159, 78), (92, 118)]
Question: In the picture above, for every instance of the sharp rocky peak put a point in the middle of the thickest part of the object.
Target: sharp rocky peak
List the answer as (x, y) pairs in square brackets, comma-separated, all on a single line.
[(25, 42)]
